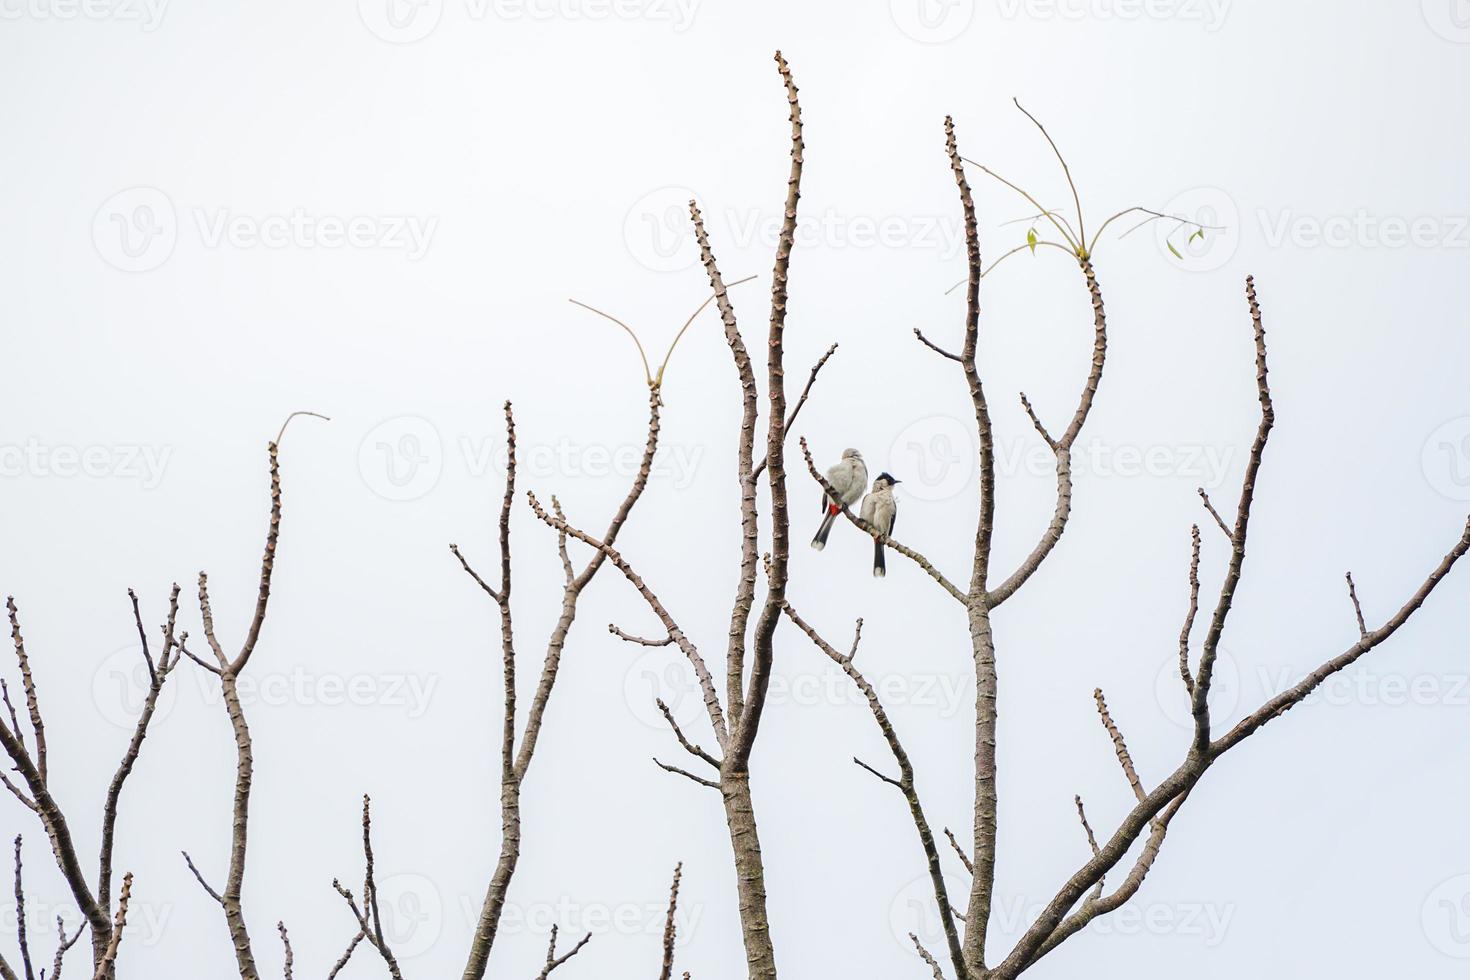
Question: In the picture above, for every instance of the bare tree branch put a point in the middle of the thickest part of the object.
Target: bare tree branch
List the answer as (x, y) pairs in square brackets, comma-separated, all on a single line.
[(927, 957), (670, 926), (158, 674), (959, 851), (1357, 606), (1119, 746), (706, 681), (1199, 707), (1209, 506), (1091, 839), (33, 706), (935, 347), (286, 943), (1188, 629), (904, 784), (553, 961), (1290, 698), (20, 916), (1062, 446), (628, 637), (685, 773), (208, 890), (801, 401), (109, 956), (516, 760), (684, 742), (63, 946), (369, 919), (1156, 808), (230, 897), (341, 963), (745, 472)]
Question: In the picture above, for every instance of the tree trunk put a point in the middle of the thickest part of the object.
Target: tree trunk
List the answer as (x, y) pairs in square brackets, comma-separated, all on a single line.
[(510, 852), (977, 916), (750, 875)]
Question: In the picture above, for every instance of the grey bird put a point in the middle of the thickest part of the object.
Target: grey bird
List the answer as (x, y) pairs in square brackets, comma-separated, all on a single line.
[(880, 510), (849, 478)]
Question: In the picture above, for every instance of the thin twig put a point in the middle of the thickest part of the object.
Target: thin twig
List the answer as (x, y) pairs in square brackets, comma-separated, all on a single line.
[(553, 961), (670, 926), (1357, 606)]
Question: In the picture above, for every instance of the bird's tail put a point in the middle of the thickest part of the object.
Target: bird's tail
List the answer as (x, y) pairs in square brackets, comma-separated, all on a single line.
[(880, 566), (820, 541)]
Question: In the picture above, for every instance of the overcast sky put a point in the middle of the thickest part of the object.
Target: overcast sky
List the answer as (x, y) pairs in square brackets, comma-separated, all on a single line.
[(217, 214)]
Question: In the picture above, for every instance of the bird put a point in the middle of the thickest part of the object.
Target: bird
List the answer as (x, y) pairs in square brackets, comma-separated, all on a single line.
[(849, 477), (880, 510)]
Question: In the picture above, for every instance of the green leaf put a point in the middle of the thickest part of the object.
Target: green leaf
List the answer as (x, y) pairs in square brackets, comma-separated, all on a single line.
[(1031, 240), (1198, 235), (1172, 249)]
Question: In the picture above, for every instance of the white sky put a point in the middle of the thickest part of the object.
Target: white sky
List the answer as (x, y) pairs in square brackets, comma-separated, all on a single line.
[(503, 158)]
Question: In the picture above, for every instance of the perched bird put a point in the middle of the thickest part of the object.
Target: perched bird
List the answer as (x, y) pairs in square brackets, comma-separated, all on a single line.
[(849, 478), (880, 510)]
